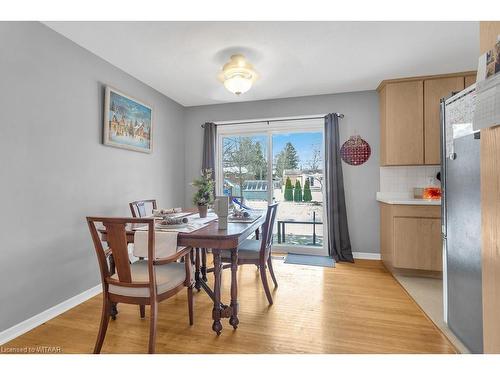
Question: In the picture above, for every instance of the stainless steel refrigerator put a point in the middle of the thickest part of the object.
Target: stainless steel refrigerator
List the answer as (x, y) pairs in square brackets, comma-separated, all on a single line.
[(461, 219)]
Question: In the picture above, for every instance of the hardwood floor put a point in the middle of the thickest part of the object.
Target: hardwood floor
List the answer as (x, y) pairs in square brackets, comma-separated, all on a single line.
[(353, 308)]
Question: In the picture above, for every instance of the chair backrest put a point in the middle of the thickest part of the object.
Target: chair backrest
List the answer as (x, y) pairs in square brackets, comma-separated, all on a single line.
[(138, 208), (116, 237), (267, 230)]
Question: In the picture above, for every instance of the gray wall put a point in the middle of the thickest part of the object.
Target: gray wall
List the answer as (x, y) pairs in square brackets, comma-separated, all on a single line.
[(361, 182), (55, 171)]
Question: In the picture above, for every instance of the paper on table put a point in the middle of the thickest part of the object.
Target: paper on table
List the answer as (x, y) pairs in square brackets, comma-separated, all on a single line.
[(210, 217)]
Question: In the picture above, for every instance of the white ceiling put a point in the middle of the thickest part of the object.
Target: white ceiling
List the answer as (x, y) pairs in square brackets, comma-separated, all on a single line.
[(182, 59)]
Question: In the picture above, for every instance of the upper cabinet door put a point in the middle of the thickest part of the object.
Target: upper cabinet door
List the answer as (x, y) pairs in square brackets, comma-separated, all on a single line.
[(401, 116), (434, 90)]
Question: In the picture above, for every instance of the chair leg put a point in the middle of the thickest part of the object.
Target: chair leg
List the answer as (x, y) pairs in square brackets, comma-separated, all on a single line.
[(103, 327), (263, 276), (152, 326), (190, 305), (271, 271), (204, 264), (197, 275), (142, 311)]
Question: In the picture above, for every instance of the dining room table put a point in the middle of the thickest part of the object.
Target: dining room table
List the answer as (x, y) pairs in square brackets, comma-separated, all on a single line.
[(200, 240)]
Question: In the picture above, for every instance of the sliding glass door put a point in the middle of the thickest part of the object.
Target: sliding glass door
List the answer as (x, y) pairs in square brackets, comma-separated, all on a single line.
[(278, 162)]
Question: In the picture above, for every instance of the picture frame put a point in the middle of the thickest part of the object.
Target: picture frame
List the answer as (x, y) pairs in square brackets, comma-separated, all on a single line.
[(128, 122)]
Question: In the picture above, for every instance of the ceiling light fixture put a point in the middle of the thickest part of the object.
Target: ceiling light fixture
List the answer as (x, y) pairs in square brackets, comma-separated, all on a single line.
[(238, 75)]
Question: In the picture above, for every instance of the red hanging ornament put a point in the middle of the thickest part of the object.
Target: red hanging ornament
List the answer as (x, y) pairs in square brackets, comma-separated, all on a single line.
[(355, 150)]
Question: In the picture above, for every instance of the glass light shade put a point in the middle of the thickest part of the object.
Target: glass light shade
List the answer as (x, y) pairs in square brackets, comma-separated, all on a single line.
[(238, 75), (238, 84)]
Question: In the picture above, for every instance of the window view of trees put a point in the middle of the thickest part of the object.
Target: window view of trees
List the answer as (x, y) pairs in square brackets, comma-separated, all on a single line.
[(314, 165), (307, 192), (288, 190), (244, 159), (286, 159)]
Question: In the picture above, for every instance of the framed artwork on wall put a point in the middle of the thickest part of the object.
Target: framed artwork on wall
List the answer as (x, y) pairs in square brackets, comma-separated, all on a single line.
[(128, 123)]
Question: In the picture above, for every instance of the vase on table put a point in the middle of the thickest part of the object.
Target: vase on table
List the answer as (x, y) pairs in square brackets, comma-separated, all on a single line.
[(202, 209)]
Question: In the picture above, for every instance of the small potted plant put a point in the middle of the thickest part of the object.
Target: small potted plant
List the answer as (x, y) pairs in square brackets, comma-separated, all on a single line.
[(204, 196)]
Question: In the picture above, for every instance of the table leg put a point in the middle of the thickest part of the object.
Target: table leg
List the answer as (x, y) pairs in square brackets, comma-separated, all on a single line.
[(279, 232), (233, 320), (314, 233), (217, 310), (197, 270), (283, 232), (112, 270), (257, 233), (204, 264)]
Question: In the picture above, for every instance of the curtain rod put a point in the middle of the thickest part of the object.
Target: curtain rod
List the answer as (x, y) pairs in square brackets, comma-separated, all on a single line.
[(340, 115)]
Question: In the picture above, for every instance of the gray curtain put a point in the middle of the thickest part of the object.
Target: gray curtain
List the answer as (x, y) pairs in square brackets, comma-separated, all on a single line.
[(209, 142), (339, 244)]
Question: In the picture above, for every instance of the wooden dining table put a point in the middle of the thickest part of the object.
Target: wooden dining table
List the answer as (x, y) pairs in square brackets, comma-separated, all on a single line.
[(211, 237)]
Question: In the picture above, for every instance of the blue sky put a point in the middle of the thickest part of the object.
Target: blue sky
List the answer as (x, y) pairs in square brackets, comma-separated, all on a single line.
[(304, 143)]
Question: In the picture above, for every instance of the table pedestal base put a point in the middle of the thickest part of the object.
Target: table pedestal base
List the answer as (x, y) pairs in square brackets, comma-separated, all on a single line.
[(220, 310)]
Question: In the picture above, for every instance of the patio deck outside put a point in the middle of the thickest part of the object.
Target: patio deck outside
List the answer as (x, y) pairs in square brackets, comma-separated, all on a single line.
[(296, 234)]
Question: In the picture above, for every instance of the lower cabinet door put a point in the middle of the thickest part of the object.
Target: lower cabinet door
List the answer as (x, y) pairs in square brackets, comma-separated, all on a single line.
[(417, 243)]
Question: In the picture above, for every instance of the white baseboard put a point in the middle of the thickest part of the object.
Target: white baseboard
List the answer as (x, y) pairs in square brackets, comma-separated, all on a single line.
[(27, 325), (372, 256)]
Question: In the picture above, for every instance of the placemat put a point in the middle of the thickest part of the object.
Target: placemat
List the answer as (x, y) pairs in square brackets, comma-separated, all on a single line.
[(251, 219), (195, 223)]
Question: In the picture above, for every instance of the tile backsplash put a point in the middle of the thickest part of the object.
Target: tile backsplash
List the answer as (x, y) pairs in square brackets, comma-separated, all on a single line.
[(404, 179)]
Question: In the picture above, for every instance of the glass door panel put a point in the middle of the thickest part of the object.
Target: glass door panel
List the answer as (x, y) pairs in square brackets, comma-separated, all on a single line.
[(245, 169), (298, 187)]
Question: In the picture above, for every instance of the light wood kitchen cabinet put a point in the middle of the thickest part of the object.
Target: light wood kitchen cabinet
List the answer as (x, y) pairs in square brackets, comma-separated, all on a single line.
[(417, 243), (410, 237), (470, 80), (434, 90), (401, 112), (410, 117)]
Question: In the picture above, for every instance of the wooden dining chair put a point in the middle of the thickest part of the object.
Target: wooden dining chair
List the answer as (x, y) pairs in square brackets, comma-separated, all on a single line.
[(258, 252), (138, 208), (145, 282)]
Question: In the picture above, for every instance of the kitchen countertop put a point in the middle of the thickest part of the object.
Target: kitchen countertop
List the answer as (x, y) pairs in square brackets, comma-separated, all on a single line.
[(401, 198)]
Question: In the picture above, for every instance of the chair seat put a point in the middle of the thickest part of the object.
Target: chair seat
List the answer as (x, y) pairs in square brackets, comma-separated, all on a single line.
[(249, 249), (168, 276)]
